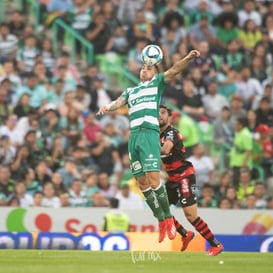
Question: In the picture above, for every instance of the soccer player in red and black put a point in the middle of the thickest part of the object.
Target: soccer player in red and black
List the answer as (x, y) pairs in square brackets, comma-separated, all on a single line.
[(181, 182)]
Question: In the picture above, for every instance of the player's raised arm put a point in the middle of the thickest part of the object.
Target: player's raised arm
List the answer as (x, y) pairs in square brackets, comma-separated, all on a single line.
[(179, 66), (114, 105)]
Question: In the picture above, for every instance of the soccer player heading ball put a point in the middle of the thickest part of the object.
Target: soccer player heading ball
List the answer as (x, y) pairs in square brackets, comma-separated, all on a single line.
[(144, 147)]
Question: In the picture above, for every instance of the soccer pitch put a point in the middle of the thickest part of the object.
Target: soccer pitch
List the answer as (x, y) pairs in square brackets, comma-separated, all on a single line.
[(79, 261)]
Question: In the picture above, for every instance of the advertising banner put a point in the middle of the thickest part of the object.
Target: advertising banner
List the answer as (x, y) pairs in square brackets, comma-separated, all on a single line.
[(246, 243), (82, 220), (136, 241), (133, 241)]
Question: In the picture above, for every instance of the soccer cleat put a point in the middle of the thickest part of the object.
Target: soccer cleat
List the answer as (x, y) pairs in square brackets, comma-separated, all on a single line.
[(171, 230), (161, 230), (215, 250), (186, 240)]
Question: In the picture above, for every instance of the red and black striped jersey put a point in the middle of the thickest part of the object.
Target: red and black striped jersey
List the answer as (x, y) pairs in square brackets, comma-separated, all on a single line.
[(175, 163)]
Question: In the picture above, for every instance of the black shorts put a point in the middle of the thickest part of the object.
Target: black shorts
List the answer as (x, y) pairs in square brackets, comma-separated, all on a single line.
[(182, 191)]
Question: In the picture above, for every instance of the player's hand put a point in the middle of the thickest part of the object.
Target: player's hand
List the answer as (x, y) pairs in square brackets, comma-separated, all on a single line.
[(102, 110), (194, 54)]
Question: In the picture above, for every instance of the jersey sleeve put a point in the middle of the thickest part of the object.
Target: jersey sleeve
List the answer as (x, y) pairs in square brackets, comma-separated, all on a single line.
[(161, 83), (125, 94)]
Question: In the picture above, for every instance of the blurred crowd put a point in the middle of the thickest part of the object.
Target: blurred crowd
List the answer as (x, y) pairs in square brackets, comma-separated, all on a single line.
[(55, 151)]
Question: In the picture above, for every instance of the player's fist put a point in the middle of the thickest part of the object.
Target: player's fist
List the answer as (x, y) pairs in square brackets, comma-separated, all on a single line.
[(194, 54)]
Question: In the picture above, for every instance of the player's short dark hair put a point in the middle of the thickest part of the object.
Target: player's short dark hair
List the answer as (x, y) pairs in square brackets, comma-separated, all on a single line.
[(17, 11), (156, 68), (4, 24), (225, 108), (65, 54), (37, 193), (166, 108), (265, 99), (244, 170), (242, 120), (114, 203)]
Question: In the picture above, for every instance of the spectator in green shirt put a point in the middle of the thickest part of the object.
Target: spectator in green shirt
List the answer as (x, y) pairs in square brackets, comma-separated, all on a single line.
[(227, 32), (250, 35), (201, 10), (240, 155), (188, 130), (245, 186), (234, 58)]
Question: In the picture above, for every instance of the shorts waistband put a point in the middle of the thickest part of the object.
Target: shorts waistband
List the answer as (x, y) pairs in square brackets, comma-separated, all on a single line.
[(142, 128)]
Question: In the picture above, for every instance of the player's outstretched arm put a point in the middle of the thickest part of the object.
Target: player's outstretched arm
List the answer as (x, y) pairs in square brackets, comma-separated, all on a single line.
[(114, 105), (179, 66)]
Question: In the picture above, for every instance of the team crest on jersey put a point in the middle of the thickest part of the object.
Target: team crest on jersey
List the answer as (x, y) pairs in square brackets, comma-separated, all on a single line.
[(136, 166)]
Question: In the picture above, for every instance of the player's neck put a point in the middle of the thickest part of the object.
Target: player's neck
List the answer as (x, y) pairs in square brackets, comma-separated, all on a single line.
[(162, 129)]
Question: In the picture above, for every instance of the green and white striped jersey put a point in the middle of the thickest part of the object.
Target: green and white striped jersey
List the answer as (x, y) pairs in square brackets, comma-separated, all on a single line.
[(28, 55), (80, 21), (143, 102)]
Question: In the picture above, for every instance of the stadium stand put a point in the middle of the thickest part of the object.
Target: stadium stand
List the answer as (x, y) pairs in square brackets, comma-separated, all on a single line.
[(61, 60)]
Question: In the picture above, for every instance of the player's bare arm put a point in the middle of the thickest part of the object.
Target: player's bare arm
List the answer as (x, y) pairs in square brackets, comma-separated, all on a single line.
[(114, 105), (179, 66), (166, 147)]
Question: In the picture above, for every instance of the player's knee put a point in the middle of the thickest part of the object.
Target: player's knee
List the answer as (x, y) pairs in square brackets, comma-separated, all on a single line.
[(153, 179), (143, 186), (143, 183)]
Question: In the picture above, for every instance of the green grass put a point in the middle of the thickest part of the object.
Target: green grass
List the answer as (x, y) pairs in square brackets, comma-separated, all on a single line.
[(62, 261)]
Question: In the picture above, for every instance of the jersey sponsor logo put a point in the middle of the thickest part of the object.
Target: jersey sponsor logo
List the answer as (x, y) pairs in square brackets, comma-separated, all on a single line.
[(178, 192), (185, 185), (169, 136), (140, 100), (145, 99), (151, 158), (154, 165), (152, 161), (136, 166)]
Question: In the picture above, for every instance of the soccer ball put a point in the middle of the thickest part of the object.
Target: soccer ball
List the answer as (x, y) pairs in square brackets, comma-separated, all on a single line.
[(152, 55)]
